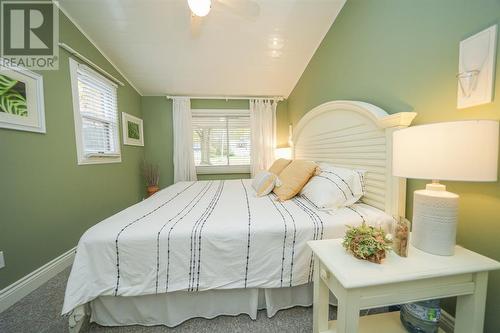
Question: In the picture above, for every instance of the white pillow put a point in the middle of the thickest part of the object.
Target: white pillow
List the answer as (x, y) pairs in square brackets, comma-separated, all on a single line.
[(264, 183), (334, 187)]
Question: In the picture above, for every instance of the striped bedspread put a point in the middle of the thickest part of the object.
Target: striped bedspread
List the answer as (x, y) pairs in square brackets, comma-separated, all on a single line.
[(195, 236)]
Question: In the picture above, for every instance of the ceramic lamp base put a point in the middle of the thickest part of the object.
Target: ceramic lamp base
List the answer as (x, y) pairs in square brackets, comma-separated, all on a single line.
[(434, 224)]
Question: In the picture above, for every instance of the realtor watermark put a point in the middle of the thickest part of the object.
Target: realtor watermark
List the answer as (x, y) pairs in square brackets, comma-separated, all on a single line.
[(30, 34)]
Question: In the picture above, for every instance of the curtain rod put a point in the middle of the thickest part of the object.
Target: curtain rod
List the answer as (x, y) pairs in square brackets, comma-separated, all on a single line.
[(80, 56), (278, 98)]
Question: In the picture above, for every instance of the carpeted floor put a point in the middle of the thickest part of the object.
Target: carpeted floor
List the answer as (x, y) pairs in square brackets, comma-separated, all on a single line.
[(39, 312)]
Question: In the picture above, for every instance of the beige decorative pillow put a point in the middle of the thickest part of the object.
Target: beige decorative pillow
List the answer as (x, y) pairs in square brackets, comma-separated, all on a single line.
[(279, 165), (264, 182), (294, 177)]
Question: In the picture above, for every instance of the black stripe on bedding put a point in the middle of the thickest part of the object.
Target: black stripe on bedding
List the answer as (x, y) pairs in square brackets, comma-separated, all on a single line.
[(311, 217), (192, 258), (312, 211), (135, 221), (209, 213), (205, 190), (315, 223), (284, 237), (320, 231), (342, 179), (356, 211), (309, 201), (293, 240), (248, 237), (196, 200), (362, 180), (335, 183)]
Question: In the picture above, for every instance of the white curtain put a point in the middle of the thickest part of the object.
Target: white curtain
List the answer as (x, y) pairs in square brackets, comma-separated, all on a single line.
[(184, 168), (263, 127)]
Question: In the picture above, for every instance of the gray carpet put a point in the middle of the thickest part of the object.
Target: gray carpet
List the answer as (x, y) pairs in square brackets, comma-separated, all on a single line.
[(39, 312)]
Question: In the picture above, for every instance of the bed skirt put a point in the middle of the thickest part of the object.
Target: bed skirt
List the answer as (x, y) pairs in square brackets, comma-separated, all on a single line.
[(173, 308)]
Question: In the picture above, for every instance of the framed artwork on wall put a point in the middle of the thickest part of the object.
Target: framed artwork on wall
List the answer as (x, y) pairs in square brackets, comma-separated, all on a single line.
[(133, 133), (21, 99), (476, 68)]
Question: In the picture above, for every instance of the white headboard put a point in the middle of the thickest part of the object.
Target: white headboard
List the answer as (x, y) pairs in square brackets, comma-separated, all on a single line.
[(356, 135)]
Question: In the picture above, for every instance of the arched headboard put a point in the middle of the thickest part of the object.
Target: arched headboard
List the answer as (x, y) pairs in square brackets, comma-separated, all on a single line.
[(356, 135)]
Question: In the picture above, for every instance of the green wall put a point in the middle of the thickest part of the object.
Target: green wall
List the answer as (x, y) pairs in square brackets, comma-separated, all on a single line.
[(402, 55), (158, 136), (158, 132), (47, 201)]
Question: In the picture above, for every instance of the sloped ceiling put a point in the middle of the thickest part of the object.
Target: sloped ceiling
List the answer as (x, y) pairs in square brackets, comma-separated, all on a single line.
[(150, 41)]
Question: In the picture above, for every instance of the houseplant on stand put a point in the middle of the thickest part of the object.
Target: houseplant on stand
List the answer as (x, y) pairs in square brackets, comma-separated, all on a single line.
[(152, 178)]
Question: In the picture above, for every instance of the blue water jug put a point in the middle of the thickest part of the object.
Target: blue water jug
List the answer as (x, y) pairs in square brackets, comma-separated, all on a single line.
[(421, 317)]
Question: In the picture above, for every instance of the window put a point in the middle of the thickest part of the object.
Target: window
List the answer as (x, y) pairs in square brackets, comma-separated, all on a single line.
[(221, 141), (96, 116)]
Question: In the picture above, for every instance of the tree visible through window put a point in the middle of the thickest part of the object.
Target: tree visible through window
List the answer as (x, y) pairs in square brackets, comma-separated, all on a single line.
[(221, 140)]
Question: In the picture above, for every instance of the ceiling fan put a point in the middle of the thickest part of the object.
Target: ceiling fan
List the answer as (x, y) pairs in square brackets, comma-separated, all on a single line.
[(248, 9)]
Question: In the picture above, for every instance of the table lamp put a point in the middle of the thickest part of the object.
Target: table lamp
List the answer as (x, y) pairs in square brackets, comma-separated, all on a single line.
[(283, 152), (457, 151)]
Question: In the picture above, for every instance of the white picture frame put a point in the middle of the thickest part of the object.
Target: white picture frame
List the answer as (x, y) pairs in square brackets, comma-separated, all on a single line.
[(30, 99), (132, 129)]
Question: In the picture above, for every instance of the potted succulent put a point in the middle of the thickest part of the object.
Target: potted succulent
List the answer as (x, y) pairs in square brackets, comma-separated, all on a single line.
[(152, 177), (367, 242)]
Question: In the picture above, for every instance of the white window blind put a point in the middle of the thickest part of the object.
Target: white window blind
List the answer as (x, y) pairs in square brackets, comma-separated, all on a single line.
[(221, 139), (97, 112)]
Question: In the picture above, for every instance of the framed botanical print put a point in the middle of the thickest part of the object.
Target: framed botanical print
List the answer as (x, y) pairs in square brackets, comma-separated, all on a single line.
[(21, 99), (132, 130)]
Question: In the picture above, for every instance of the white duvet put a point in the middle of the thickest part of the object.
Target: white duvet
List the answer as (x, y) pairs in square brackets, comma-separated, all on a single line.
[(203, 235)]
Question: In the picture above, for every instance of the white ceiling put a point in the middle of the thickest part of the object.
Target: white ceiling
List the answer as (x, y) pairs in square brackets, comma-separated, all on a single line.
[(151, 44)]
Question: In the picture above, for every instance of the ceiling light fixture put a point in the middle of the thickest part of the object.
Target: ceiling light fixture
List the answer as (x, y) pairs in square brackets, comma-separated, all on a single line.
[(276, 43), (200, 7)]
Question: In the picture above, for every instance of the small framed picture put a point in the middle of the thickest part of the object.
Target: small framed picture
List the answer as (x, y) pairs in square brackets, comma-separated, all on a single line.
[(132, 130), (21, 99)]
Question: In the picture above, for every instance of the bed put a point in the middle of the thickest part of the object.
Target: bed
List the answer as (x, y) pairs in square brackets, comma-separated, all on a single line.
[(202, 249)]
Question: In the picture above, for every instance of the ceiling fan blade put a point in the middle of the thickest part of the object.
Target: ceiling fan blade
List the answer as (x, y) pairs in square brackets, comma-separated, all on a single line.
[(246, 8), (196, 23)]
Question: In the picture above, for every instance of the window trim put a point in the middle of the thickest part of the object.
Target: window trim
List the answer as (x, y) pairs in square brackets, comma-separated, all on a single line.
[(82, 158), (221, 169)]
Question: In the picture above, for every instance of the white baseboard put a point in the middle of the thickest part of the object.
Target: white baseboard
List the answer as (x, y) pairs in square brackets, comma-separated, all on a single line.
[(447, 322), (22, 287)]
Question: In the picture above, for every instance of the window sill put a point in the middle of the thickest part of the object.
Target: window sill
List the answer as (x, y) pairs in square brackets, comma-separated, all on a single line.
[(99, 160), (223, 169)]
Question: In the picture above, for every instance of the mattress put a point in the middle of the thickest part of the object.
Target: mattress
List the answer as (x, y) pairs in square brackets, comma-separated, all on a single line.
[(206, 235)]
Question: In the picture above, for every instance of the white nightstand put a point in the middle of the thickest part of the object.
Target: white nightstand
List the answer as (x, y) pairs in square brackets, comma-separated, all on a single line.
[(359, 284)]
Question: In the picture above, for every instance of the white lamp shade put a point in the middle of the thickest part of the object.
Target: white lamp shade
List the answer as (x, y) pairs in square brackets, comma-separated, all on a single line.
[(461, 150), (200, 7), (285, 152)]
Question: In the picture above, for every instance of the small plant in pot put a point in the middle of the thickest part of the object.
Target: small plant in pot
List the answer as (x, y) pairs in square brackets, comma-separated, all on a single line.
[(367, 242), (152, 177)]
